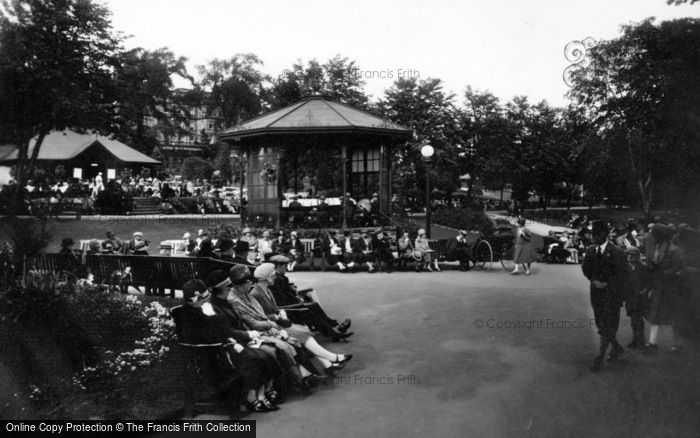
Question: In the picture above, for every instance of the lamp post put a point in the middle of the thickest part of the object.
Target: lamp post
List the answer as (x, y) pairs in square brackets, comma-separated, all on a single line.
[(468, 178), (427, 152)]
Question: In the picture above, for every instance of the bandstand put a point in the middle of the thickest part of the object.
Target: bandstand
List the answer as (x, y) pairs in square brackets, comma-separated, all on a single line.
[(315, 147)]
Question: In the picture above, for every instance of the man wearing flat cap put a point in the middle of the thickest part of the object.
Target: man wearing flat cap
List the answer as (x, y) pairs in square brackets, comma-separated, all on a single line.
[(137, 245), (605, 265)]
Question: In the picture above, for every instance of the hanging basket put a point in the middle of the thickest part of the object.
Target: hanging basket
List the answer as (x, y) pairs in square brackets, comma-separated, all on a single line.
[(268, 173)]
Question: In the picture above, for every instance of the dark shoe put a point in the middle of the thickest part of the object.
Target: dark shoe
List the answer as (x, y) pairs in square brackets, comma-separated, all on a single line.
[(597, 365), (256, 406), (338, 364), (269, 405), (345, 325), (616, 352), (338, 335), (274, 397), (634, 344)]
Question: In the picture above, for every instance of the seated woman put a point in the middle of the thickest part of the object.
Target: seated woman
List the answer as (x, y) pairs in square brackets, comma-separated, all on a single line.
[(255, 318), (252, 253), (272, 339), (302, 308), (422, 250), (205, 323)]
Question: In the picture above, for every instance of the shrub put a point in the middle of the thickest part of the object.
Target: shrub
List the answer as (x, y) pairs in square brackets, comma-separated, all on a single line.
[(464, 219)]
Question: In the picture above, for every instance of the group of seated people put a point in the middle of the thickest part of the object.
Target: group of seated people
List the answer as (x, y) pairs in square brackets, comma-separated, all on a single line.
[(562, 247), (376, 250), (379, 251), (268, 328)]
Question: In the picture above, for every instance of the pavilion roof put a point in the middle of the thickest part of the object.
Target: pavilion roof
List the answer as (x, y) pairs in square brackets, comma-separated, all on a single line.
[(64, 145), (314, 115)]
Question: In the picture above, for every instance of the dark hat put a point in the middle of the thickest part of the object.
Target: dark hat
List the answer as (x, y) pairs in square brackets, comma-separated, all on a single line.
[(321, 197), (332, 231), (279, 259), (631, 226), (218, 278), (68, 241), (599, 227), (239, 274), (192, 288)]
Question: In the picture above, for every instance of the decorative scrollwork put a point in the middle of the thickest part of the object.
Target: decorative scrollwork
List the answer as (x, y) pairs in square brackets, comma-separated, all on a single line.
[(576, 52)]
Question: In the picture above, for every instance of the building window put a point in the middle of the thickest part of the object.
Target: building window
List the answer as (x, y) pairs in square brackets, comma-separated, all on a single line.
[(364, 179)]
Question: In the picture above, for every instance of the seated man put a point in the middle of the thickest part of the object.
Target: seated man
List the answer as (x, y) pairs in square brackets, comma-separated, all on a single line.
[(138, 245), (111, 245), (384, 251), (333, 250), (404, 250), (457, 249), (366, 250), (286, 295)]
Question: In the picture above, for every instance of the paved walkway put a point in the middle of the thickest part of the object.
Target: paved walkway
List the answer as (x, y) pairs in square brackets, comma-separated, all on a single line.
[(456, 354)]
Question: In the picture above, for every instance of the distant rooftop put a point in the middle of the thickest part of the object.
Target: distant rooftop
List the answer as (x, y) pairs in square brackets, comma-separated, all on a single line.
[(64, 145)]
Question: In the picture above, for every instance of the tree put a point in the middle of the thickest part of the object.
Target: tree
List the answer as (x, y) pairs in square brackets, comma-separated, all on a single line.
[(337, 79), (145, 85), (485, 138), (196, 168), (642, 92), (56, 64), (233, 89), (430, 113)]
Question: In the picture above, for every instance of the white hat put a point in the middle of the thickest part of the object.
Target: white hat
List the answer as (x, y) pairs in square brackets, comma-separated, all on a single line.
[(186, 236), (138, 234), (264, 270), (421, 232)]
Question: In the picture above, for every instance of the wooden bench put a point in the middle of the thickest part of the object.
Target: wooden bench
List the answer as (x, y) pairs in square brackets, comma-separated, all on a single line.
[(154, 273), (198, 365), (440, 248)]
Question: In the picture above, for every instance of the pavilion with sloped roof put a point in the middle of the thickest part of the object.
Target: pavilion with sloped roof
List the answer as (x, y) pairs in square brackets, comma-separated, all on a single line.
[(84, 155), (341, 149)]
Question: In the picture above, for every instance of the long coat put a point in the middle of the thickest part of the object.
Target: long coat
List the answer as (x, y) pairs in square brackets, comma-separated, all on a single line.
[(611, 268), (667, 285)]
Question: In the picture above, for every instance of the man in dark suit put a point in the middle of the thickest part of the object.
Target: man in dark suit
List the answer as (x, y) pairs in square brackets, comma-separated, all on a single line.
[(457, 249), (605, 265)]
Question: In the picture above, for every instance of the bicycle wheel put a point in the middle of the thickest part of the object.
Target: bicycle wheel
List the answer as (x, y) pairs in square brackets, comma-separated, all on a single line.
[(507, 258), (483, 256)]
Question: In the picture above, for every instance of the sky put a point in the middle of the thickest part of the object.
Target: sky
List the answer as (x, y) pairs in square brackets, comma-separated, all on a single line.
[(509, 47)]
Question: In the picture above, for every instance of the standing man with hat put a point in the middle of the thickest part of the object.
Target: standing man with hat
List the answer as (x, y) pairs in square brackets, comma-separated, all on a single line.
[(605, 265)]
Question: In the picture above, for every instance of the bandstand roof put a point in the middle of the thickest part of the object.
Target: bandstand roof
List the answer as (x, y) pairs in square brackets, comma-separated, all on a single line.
[(315, 115)]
